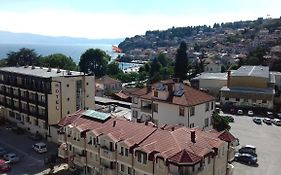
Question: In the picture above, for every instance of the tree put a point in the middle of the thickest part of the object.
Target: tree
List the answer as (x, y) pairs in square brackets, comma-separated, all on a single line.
[(113, 69), (23, 57), (181, 64), (163, 60), (94, 61), (58, 60), (155, 67), (220, 123)]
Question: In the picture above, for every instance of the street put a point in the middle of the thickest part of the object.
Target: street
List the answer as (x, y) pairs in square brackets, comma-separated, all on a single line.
[(266, 138), (30, 161)]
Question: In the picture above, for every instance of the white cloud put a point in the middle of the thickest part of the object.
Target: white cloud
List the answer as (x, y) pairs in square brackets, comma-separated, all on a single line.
[(98, 25)]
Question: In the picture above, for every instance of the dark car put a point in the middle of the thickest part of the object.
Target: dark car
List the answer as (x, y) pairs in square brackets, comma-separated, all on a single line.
[(257, 120), (247, 151), (35, 137), (246, 158)]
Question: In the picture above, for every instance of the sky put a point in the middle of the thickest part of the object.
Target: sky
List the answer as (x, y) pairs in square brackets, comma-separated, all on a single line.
[(96, 19)]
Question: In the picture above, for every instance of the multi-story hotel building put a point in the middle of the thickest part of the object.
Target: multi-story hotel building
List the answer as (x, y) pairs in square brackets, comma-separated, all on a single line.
[(36, 97), (169, 102), (99, 143)]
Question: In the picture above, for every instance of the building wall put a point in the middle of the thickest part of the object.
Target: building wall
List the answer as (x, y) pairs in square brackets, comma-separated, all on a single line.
[(254, 82), (213, 85), (212, 68)]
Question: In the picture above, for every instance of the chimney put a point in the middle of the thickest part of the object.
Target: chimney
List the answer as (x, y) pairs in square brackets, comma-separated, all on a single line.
[(49, 69), (173, 128), (228, 78), (32, 67), (68, 72), (114, 123), (58, 70), (148, 88), (170, 88), (146, 122), (193, 136)]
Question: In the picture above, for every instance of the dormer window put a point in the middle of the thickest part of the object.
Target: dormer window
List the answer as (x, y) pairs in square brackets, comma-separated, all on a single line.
[(155, 93), (181, 111)]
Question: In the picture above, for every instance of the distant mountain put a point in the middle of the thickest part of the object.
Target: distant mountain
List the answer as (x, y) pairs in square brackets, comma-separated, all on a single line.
[(28, 38)]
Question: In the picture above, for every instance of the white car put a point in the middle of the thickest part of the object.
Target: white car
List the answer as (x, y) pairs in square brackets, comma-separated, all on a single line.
[(11, 157), (40, 147), (277, 122), (240, 112), (250, 113)]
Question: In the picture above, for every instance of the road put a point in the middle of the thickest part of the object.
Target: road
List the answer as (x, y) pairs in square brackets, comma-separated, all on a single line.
[(30, 161)]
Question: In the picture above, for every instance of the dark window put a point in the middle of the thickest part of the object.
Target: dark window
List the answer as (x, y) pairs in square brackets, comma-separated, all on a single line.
[(181, 111), (226, 98), (237, 99), (155, 93), (67, 85)]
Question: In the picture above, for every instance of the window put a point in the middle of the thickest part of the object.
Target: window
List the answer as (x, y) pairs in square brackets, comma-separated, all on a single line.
[(42, 98), (237, 99), (135, 100), (212, 105), (207, 106), (139, 157), (35, 122), (122, 151), (67, 85), (126, 152), (11, 114), (192, 111), (181, 111), (135, 114), (226, 98), (32, 96), (27, 119), (122, 168), (41, 111), (32, 108), (144, 158), (206, 122), (191, 125), (129, 170), (155, 107), (24, 106), (16, 92), (264, 101), (209, 159), (155, 93), (222, 151), (18, 116), (16, 103)]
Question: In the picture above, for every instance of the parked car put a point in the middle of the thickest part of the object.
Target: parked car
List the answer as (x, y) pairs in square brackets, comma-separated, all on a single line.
[(246, 158), (2, 151), (257, 120), (269, 114), (4, 167), (267, 121), (250, 113), (35, 137), (246, 150), (11, 157), (40, 147), (240, 112), (277, 122), (232, 111), (279, 116), (249, 147)]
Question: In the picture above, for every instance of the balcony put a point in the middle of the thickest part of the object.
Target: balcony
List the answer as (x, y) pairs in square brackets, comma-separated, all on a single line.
[(92, 148), (106, 153), (76, 142), (108, 170)]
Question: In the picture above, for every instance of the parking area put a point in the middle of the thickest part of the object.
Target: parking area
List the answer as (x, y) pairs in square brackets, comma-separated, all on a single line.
[(30, 161), (266, 138)]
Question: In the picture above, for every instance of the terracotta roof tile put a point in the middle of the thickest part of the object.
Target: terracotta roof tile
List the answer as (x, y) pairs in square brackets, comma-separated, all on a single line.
[(190, 97), (184, 156), (226, 136)]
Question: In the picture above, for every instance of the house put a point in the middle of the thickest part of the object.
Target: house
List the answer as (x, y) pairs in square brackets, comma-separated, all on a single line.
[(212, 66), (99, 143), (170, 102), (36, 98), (211, 82), (107, 85), (249, 86)]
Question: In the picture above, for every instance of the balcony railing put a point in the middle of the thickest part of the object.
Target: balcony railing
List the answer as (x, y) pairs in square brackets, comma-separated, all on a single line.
[(106, 153)]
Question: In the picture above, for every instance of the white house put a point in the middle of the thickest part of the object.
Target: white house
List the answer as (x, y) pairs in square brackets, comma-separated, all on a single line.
[(169, 102)]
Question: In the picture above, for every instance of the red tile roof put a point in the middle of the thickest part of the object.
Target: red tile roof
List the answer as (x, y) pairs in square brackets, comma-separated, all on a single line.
[(173, 145), (184, 157), (226, 136), (191, 96), (107, 80)]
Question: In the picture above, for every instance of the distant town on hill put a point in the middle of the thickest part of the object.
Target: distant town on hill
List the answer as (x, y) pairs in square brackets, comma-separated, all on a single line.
[(224, 42)]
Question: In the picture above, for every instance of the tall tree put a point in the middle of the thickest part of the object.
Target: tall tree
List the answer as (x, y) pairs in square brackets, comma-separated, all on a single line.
[(58, 61), (94, 61), (22, 57), (113, 69), (181, 64), (155, 67)]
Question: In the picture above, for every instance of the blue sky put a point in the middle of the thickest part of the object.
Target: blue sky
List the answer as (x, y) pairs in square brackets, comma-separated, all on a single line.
[(124, 18)]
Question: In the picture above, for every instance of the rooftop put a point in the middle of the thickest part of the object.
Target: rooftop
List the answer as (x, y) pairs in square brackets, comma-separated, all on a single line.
[(40, 71), (172, 143), (248, 90), (212, 76), (107, 80), (253, 71), (188, 96)]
